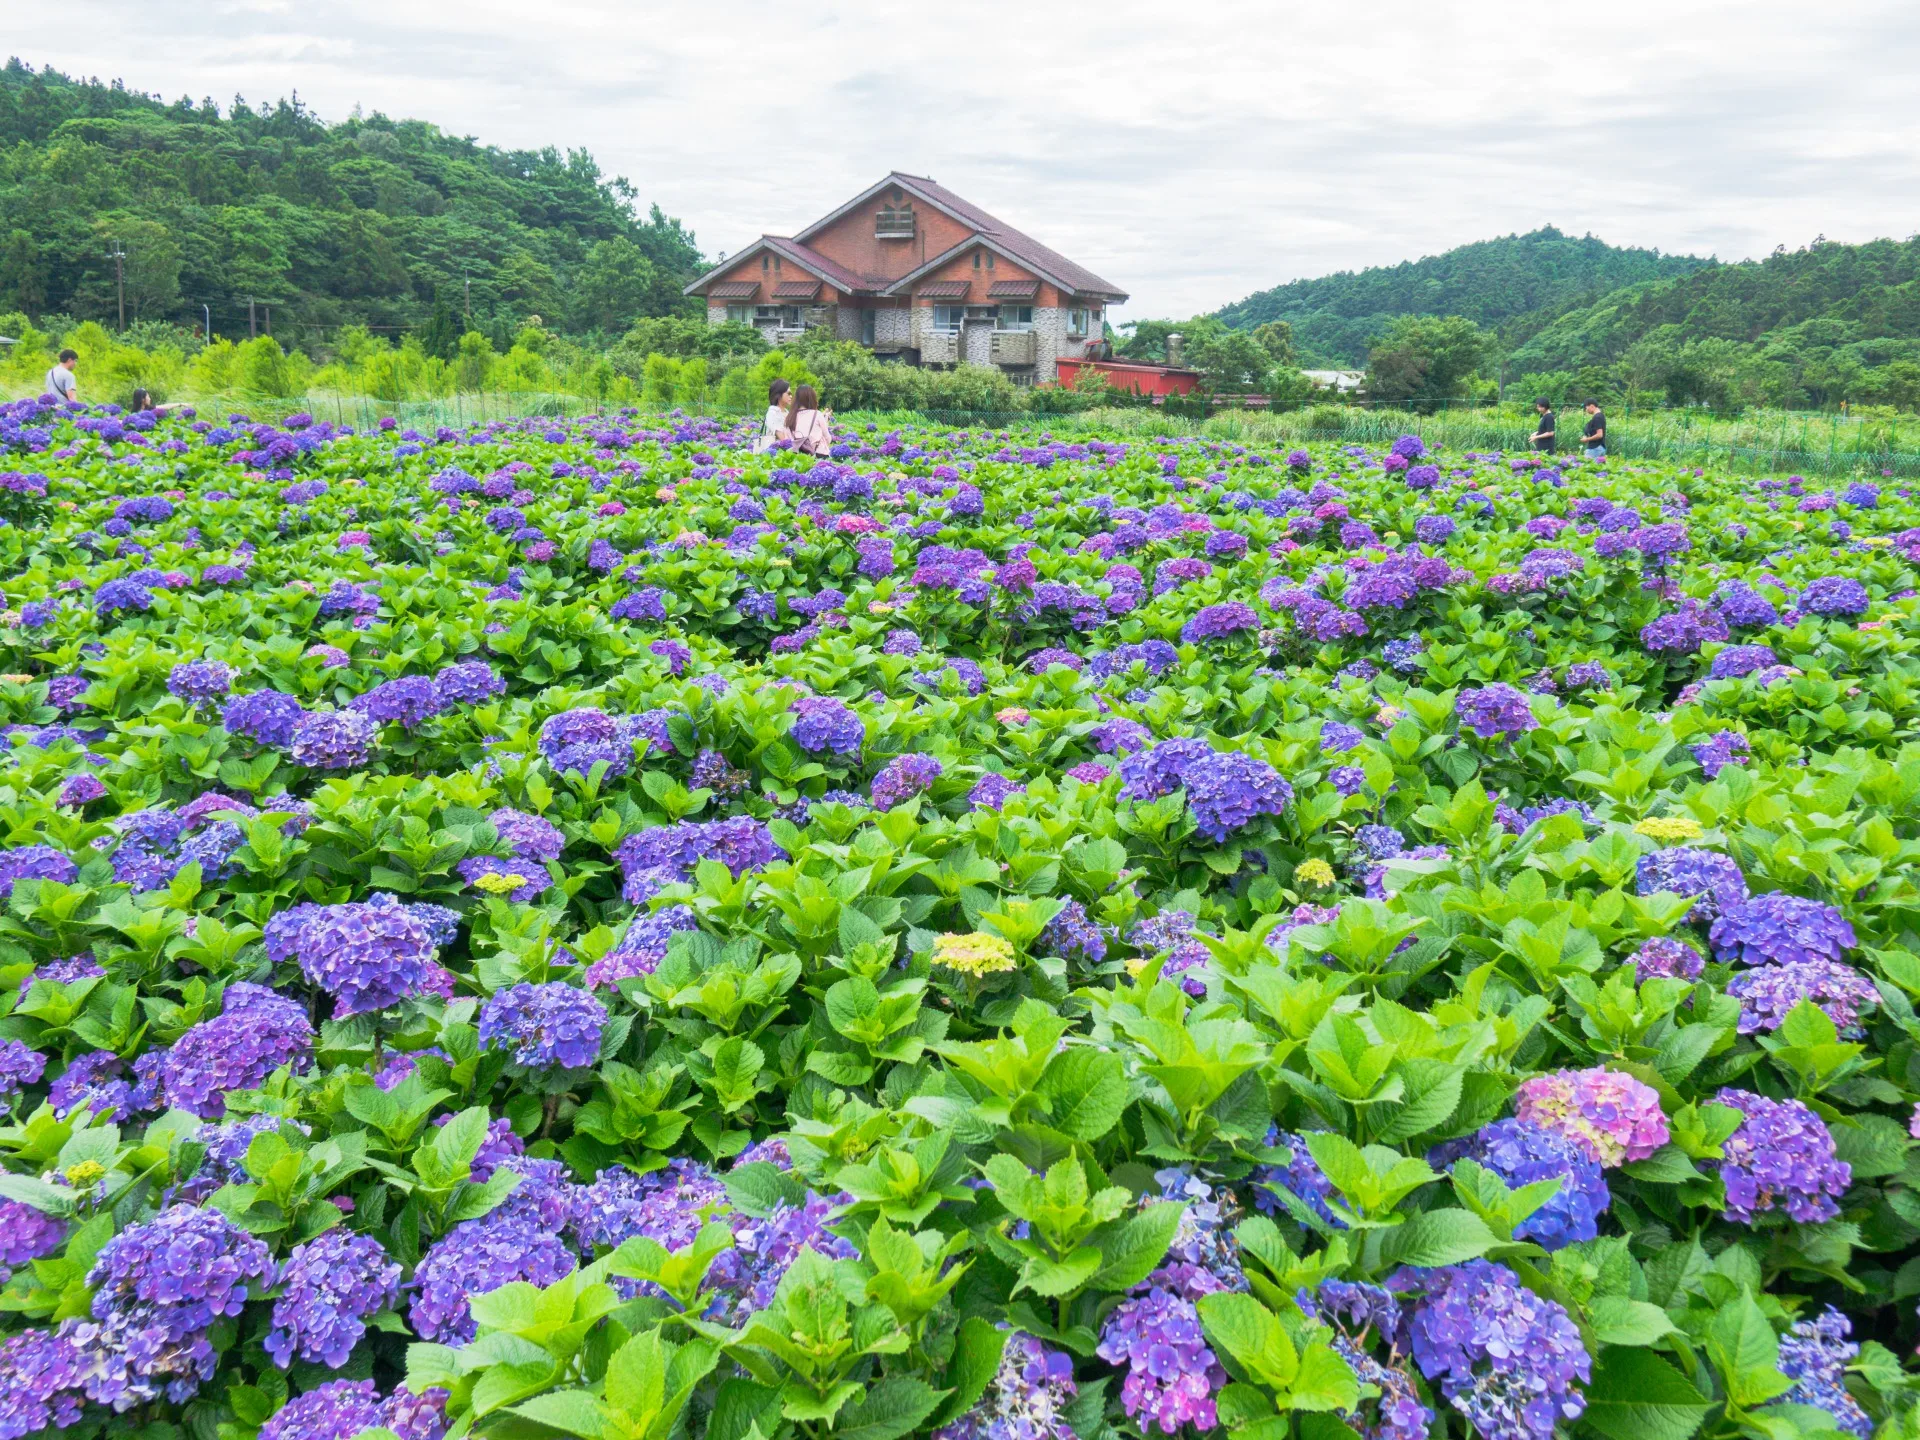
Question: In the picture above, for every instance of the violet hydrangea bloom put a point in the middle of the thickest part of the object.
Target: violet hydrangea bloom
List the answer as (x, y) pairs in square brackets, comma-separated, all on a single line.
[(1688, 870), (333, 739), (1779, 928), (554, 1026), (1815, 1355), (1026, 1400), (26, 1234), (527, 836), (1172, 1374), (20, 1066), (1834, 595), (1668, 958), (1509, 1360), (575, 741), (34, 862), (474, 1257), (1769, 993), (1683, 631), (823, 725), (1217, 622), (368, 956), (1520, 1153), (256, 1033), (764, 1249), (1721, 749), (266, 717), (328, 1289), (1613, 1116), (410, 701), (1781, 1158), (158, 1289), (641, 949), (1229, 790), (197, 681), (667, 1205), (669, 854), (1494, 711), (467, 683), (1301, 1177), (903, 778)]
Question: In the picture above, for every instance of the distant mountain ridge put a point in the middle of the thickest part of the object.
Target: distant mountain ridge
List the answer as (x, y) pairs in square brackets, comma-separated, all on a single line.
[(1515, 284)]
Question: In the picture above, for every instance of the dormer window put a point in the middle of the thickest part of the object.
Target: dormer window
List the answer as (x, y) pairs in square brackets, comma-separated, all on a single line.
[(894, 221)]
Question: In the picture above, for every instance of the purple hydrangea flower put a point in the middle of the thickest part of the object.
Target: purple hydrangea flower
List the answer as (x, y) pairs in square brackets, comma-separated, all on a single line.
[(256, 1033), (334, 739), (1611, 1115), (1495, 710), (1027, 1399), (554, 1026), (266, 717), (477, 1256), (158, 1288), (903, 778), (1521, 1153), (1815, 1355), (1781, 1158), (1721, 749), (1778, 928), (1768, 994), (368, 956), (823, 725), (410, 700), (1217, 622), (328, 1289), (197, 681), (575, 741), (641, 949), (1834, 595), (1509, 1360), (1664, 956), (468, 683), (35, 862), (1172, 1375), (1687, 870)]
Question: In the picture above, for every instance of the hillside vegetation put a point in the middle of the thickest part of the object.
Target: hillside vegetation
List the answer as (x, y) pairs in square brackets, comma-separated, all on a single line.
[(1514, 282), (370, 220)]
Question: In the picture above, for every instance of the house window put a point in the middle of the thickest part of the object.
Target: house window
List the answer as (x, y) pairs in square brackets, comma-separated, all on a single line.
[(867, 331), (1076, 323), (948, 317), (989, 259), (976, 259), (1016, 317), (739, 314), (988, 313), (763, 264), (783, 317)]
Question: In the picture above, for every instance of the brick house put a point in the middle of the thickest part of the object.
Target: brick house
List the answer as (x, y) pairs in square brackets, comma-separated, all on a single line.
[(915, 273)]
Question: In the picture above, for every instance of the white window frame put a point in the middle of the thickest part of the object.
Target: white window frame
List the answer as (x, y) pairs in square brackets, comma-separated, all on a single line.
[(739, 314), (1077, 322), (947, 318), (1021, 317)]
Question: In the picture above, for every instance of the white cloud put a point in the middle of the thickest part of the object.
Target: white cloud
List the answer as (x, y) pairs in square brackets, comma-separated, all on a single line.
[(1192, 154)]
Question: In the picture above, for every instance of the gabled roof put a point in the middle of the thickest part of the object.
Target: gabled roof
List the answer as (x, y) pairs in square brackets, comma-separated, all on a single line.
[(1015, 244), (805, 256)]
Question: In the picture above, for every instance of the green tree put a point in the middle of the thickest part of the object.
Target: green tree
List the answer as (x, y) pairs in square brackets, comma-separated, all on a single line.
[(440, 336), (23, 279), (1276, 338), (1423, 359), (613, 287)]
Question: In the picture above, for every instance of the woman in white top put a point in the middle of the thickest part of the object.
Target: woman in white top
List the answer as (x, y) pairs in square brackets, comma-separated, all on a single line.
[(807, 423), (779, 397)]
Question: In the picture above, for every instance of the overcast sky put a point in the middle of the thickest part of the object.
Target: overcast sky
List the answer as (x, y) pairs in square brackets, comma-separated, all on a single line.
[(1191, 153)]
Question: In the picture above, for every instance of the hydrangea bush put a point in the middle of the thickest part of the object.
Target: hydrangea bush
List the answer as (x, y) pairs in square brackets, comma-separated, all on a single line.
[(581, 927)]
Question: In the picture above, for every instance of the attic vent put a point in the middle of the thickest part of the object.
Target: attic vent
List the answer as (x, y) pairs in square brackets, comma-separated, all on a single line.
[(893, 222)]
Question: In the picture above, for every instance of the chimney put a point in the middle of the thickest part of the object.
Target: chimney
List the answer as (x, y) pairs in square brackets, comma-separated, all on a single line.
[(1176, 345)]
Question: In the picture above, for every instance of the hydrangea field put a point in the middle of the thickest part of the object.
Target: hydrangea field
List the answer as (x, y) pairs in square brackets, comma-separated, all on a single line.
[(583, 929)]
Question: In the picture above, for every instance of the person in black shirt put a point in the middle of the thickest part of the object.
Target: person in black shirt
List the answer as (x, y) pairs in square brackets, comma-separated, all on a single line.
[(1542, 439), (1594, 437)]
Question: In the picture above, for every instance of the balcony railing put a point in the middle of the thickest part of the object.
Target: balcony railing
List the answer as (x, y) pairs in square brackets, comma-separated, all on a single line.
[(1012, 347), (892, 224), (940, 347)]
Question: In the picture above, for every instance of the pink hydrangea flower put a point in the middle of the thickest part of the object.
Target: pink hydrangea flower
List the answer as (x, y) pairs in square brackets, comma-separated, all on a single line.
[(1613, 1116), (611, 508)]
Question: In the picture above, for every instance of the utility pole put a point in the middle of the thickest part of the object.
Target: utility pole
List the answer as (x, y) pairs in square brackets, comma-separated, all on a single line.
[(118, 256), (466, 300), (269, 318), (206, 335), (252, 330)]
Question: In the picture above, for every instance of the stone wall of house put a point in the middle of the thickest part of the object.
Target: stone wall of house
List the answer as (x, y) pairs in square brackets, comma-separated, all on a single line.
[(716, 314), (979, 344), (847, 326), (893, 326), (1049, 341)]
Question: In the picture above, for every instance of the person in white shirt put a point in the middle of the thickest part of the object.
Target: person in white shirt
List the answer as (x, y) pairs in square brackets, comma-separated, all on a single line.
[(779, 397), (62, 384)]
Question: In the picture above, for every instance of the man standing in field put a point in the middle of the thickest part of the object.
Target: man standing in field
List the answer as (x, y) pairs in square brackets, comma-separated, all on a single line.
[(1543, 437), (1594, 437), (61, 381)]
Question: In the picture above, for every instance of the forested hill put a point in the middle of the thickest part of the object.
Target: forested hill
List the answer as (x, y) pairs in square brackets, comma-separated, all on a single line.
[(1513, 284), (1855, 305), (368, 219)]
